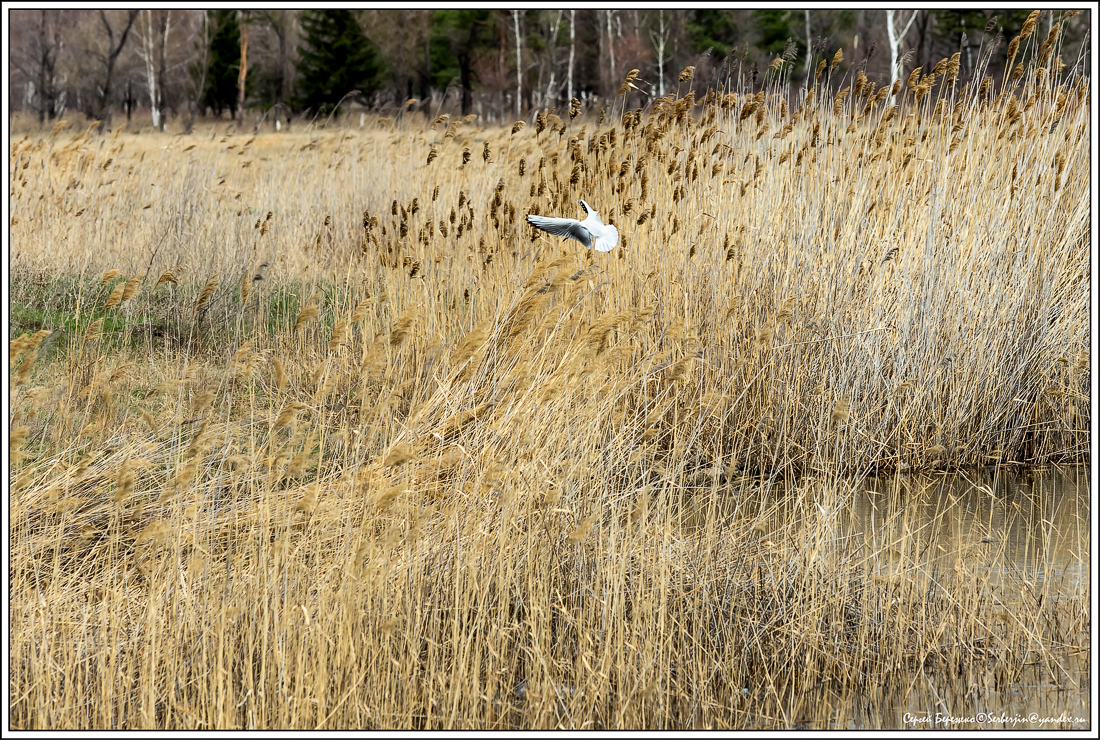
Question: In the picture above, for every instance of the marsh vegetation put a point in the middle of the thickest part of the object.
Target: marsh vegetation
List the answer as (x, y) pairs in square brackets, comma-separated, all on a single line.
[(311, 430)]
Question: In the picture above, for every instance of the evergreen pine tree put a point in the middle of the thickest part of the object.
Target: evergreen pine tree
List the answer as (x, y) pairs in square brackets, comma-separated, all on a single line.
[(458, 38), (774, 27), (713, 29), (225, 62), (334, 59)]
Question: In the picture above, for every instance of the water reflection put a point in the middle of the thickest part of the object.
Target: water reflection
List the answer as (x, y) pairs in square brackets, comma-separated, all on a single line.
[(1028, 527), (1011, 546), (1020, 537)]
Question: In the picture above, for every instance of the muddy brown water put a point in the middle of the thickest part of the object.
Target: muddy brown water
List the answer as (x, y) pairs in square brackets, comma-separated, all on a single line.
[(1017, 534)]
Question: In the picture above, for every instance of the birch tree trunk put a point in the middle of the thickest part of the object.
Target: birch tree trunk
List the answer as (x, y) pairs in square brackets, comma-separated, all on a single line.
[(148, 51), (611, 51), (553, 45), (502, 108), (519, 65), (895, 40), (809, 48), (660, 40), (572, 48)]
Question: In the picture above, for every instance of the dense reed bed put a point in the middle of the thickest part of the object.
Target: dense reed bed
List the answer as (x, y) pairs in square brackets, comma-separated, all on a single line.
[(312, 430)]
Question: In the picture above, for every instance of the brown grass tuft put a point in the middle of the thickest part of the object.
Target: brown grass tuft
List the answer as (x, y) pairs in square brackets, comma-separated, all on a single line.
[(93, 329), (469, 346), (280, 374), (115, 297), (401, 329), (132, 286), (339, 337), (399, 455), (207, 291), (308, 313), (841, 410), (166, 277), (287, 414)]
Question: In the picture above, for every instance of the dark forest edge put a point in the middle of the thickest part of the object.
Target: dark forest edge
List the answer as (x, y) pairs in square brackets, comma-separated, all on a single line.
[(279, 66)]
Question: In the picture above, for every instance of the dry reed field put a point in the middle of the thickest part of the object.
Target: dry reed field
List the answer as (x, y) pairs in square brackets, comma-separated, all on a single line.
[(312, 430)]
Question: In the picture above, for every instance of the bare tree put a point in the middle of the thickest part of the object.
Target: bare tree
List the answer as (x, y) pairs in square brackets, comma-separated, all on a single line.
[(611, 48), (203, 67), (660, 42), (46, 57), (279, 22), (501, 68), (242, 17), (809, 48), (148, 52), (43, 74), (146, 49), (572, 48), (552, 48), (896, 40), (402, 37), (162, 77), (519, 64), (103, 102), (926, 19)]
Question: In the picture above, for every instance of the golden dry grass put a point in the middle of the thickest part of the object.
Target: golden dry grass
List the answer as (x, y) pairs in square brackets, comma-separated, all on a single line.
[(344, 443)]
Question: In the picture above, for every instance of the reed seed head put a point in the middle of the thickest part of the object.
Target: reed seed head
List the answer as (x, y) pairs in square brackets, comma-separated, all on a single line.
[(399, 455), (287, 413), (841, 410), (1029, 25), (116, 296), (339, 336), (837, 59), (628, 83), (93, 329), (401, 329), (207, 291)]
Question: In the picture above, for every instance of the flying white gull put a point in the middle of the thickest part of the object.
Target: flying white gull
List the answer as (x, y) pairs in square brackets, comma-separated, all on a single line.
[(591, 232)]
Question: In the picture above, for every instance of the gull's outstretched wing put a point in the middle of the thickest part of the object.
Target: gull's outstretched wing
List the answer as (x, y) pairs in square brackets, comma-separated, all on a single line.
[(607, 239), (568, 227)]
